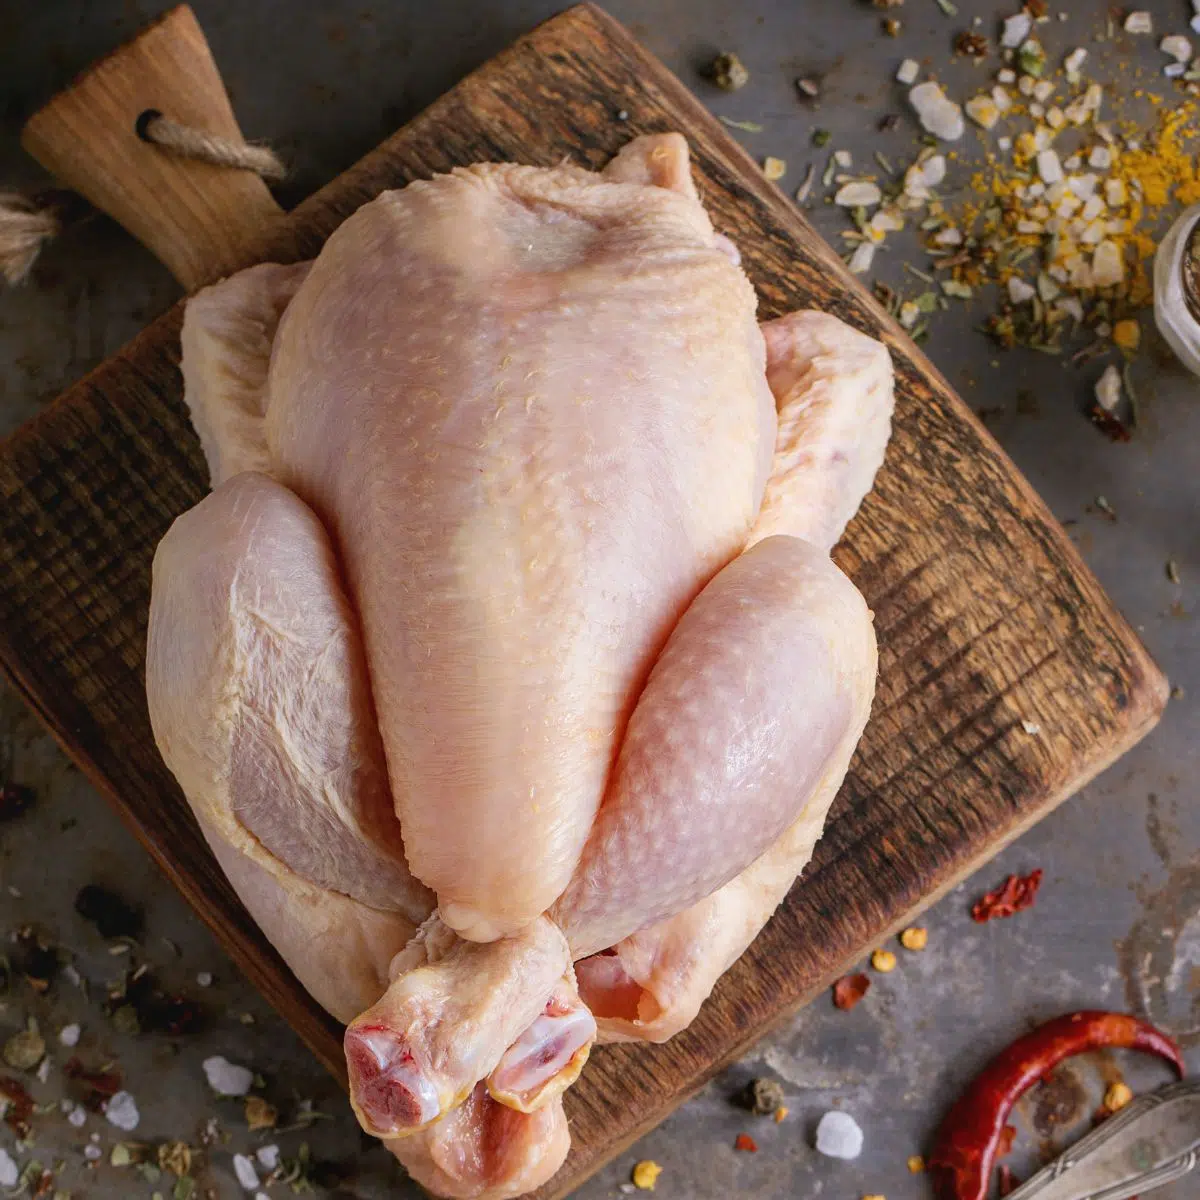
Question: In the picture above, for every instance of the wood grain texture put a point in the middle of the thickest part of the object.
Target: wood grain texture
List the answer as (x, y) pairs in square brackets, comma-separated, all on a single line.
[(202, 221), (986, 616)]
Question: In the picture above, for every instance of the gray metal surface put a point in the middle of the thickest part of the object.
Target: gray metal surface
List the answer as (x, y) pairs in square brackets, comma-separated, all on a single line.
[(1118, 920)]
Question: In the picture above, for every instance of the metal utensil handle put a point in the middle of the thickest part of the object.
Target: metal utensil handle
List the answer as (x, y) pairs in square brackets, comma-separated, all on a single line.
[(1153, 1141)]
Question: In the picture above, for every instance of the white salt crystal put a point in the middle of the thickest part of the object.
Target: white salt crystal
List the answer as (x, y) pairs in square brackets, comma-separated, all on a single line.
[(1001, 99), (1040, 212), (860, 194), (1100, 158), (1004, 143), (268, 1156), (1047, 289), (1036, 188), (243, 1168), (226, 1078), (43, 1070), (839, 1136), (1043, 90), (1055, 118), (1195, 24), (1031, 727), (983, 111), (92, 1153), (1094, 234), (1042, 137), (887, 220), (910, 314), (908, 71), (1075, 60), (1025, 226), (1016, 30), (1139, 22), (1019, 292), (941, 116), (1083, 186), (1177, 47), (8, 1170), (843, 158), (1108, 389), (1006, 76), (204, 979), (862, 258), (122, 1111), (1058, 272), (1072, 306), (1025, 86), (1093, 208), (1049, 168), (77, 1116), (1107, 266), (1037, 110), (1104, 329), (1174, 70), (1056, 191), (923, 175), (69, 1035), (1073, 163), (949, 237)]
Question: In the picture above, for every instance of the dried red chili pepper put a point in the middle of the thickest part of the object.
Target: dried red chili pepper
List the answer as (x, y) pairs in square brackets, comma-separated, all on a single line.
[(1018, 892), (971, 1134), (744, 1141), (1007, 1136), (849, 990), (18, 1107), (1006, 1182), (98, 1086)]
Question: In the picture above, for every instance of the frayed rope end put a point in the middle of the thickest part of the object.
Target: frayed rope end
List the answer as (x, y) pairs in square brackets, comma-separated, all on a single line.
[(24, 230)]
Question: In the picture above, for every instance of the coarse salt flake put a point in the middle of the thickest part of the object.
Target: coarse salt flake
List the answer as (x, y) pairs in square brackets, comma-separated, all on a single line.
[(1043, 90), (243, 1168), (122, 1111), (1006, 76), (862, 258), (939, 115), (908, 71), (268, 1156), (1108, 389), (983, 111), (1049, 167), (69, 1035), (843, 159), (226, 1078), (1174, 70), (1100, 158), (1176, 46), (1055, 118), (8, 1170), (1016, 30), (949, 237), (1031, 727), (839, 1136), (1139, 22), (1108, 269), (1092, 208), (1019, 292), (859, 194), (1004, 143), (1075, 60), (1001, 99)]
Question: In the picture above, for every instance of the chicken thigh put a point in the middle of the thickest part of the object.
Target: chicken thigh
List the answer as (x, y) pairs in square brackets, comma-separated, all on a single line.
[(509, 636)]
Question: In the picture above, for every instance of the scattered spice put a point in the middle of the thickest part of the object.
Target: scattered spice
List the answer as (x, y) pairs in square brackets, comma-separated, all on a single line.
[(23, 1051), (175, 1157), (914, 938), (774, 168), (972, 45), (809, 88), (1117, 1096), (97, 1087), (762, 1096), (645, 1175), (780, 1114), (884, 961), (15, 799), (728, 72), (1173, 571), (260, 1114), (745, 126), (821, 137), (891, 27), (744, 1141), (849, 990), (111, 915), (916, 1164), (1017, 893), (972, 1133), (17, 1106)]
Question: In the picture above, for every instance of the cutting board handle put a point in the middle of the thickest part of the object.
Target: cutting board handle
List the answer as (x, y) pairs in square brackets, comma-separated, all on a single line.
[(202, 221)]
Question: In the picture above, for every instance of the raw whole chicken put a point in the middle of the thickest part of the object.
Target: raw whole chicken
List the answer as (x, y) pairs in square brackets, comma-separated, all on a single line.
[(505, 667)]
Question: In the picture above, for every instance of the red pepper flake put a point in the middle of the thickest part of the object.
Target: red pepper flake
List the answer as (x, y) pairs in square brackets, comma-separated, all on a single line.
[(98, 1086), (1017, 893), (1007, 1134), (744, 1141), (849, 990), (1112, 427), (1006, 1180), (19, 1107)]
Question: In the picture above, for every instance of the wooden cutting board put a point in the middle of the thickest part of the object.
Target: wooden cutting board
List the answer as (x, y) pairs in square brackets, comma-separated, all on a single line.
[(989, 623)]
